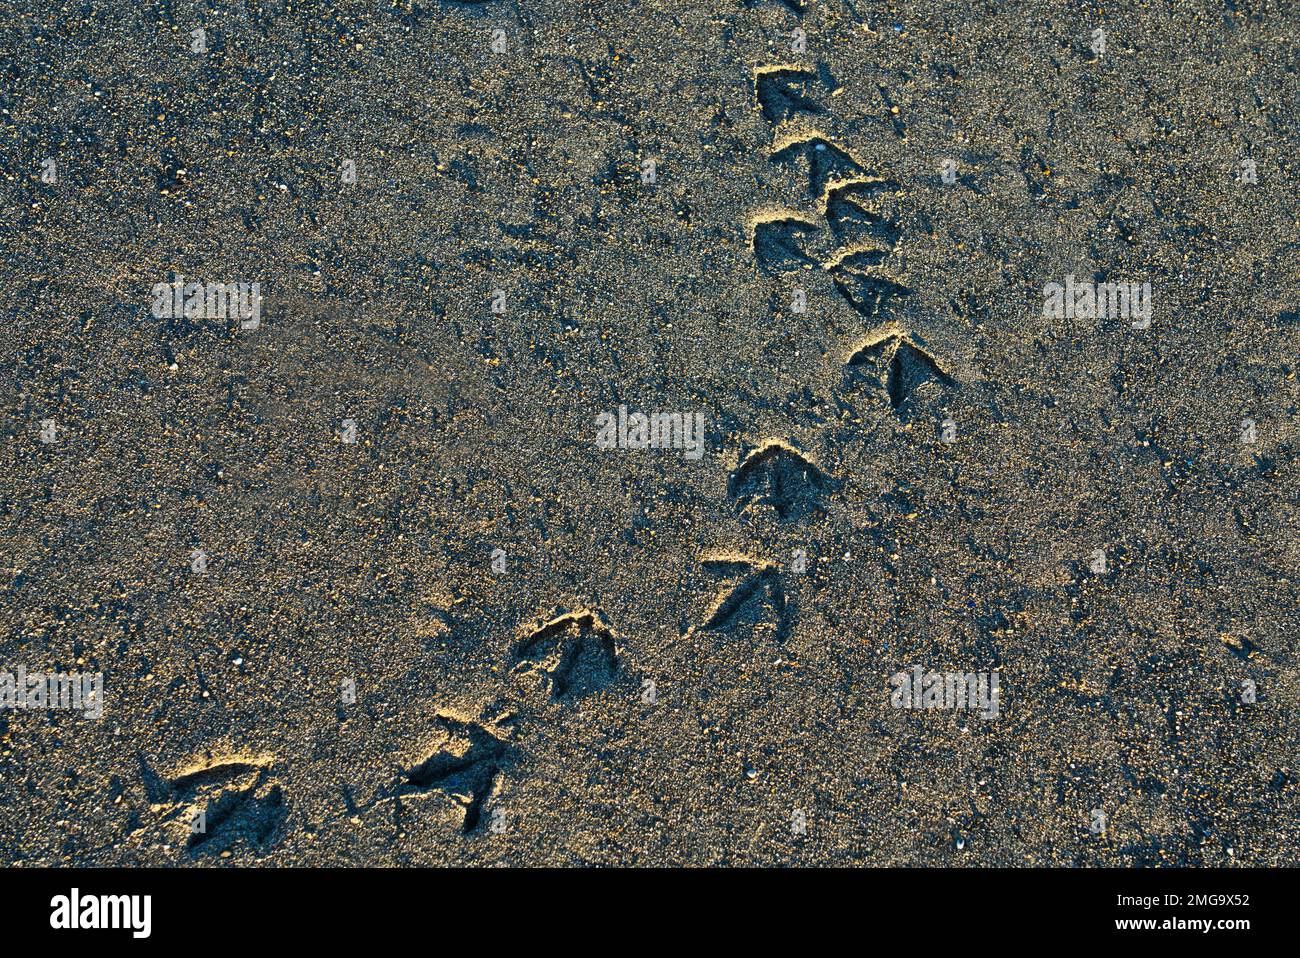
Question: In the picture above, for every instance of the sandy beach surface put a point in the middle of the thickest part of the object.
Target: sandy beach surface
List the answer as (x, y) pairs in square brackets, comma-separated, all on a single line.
[(384, 570)]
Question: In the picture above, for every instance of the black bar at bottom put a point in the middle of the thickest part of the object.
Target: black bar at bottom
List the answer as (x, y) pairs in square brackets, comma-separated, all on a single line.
[(297, 907)]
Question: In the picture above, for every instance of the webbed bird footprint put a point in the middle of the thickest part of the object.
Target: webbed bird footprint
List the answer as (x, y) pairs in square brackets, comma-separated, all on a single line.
[(862, 281), (853, 210), (755, 601), (779, 477), (574, 654), (225, 801), (782, 92), (778, 241), (896, 363), (825, 162), (465, 765)]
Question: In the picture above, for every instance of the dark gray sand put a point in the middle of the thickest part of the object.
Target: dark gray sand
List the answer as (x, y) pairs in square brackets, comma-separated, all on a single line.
[(646, 677)]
